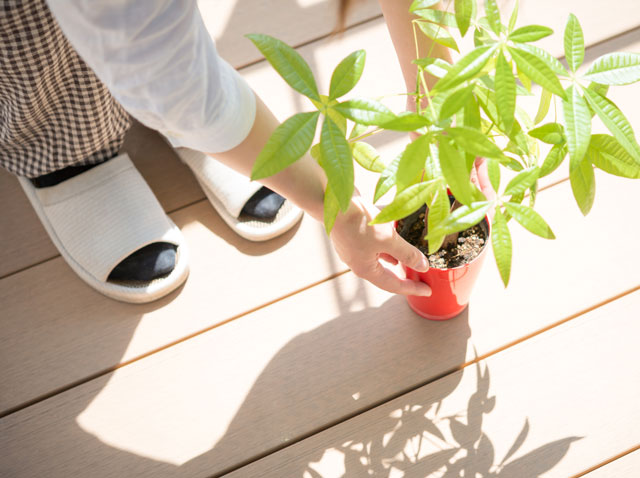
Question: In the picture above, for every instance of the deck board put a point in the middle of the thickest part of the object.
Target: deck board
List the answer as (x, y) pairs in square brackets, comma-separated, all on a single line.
[(238, 391), (626, 466), (481, 410)]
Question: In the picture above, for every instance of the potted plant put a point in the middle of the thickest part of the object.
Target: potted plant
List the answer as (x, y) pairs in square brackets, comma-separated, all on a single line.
[(471, 112)]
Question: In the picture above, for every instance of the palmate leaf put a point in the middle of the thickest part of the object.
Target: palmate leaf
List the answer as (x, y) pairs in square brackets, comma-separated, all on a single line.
[(606, 153), (420, 4), (464, 12), (536, 69), (493, 171), (583, 183), (455, 171), (505, 92), (405, 203), (522, 181), (615, 121), (550, 60), (474, 142), (406, 121), (336, 162), (438, 34), (438, 212), (530, 33), (501, 243), (367, 157), (364, 111), (530, 220), (466, 67), (455, 102), (550, 133), (493, 15), (573, 43), (387, 179), (462, 218), (543, 108), (288, 63), (437, 16), (286, 145), (615, 69), (347, 74), (331, 209), (554, 158), (577, 122), (412, 162), (514, 16)]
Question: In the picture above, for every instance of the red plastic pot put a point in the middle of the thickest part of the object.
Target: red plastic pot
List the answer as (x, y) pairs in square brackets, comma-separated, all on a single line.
[(451, 288)]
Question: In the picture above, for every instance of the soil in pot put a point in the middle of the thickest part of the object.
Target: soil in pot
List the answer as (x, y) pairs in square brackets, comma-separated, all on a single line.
[(467, 247)]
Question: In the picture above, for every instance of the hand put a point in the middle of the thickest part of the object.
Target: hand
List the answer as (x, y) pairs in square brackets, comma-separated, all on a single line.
[(362, 246), (480, 177)]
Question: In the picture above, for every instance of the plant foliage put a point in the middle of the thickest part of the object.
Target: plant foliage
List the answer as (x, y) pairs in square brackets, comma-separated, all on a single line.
[(472, 111)]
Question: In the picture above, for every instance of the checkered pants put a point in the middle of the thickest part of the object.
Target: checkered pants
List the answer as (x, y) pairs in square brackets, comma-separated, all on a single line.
[(54, 111)]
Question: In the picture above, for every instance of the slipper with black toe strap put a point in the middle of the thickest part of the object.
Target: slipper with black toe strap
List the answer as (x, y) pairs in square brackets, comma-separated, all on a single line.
[(111, 230), (250, 209)]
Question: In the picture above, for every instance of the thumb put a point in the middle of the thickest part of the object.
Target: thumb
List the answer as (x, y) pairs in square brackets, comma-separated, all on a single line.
[(407, 254)]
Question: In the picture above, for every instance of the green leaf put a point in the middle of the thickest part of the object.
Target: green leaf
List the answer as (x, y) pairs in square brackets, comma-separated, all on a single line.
[(437, 16), (530, 33), (573, 43), (474, 142), (466, 67), (432, 168), (406, 121), (551, 61), (438, 68), (462, 218), (288, 63), (550, 133), (522, 181), (501, 242), (438, 212), (420, 4), (514, 16), (286, 145), (472, 118), (464, 10), (438, 34), (337, 162), (536, 69), (577, 120), (607, 154), (554, 159), (364, 111), (405, 203), (412, 162), (331, 209), (615, 121), (493, 15), (615, 69), (493, 170), (543, 108), (387, 179), (583, 183), (367, 157), (505, 92), (455, 101), (357, 130), (530, 220), (347, 74), (454, 168)]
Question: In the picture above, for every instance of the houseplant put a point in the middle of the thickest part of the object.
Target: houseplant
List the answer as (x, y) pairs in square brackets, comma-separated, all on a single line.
[(472, 111)]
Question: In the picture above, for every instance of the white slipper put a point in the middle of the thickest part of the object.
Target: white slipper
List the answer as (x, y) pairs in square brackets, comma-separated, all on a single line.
[(228, 192), (98, 218)]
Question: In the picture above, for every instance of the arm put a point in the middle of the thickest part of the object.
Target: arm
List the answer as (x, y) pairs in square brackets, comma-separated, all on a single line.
[(159, 61)]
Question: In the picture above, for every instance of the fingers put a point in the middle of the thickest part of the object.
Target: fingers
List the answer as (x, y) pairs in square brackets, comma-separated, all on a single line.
[(388, 258), (387, 280), (407, 254)]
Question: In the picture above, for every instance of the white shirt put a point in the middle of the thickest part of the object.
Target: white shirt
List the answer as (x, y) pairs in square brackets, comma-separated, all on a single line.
[(158, 60)]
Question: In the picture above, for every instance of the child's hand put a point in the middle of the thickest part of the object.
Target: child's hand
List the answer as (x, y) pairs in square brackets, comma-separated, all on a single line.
[(362, 246)]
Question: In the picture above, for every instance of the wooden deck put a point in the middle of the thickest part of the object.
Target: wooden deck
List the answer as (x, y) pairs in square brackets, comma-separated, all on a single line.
[(275, 361)]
